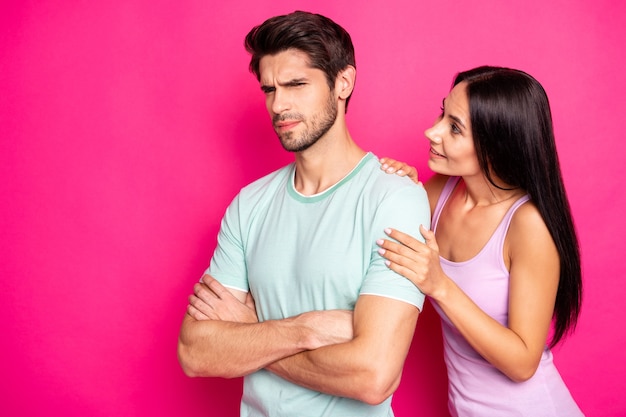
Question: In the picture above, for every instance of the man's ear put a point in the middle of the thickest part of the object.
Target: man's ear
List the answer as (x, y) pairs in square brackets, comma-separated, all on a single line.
[(345, 82)]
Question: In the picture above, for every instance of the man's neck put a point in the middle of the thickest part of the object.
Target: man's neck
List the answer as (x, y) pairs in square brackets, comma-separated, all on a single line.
[(326, 163)]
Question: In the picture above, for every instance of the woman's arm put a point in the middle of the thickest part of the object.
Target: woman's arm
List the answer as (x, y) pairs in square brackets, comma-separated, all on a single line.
[(534, 273)]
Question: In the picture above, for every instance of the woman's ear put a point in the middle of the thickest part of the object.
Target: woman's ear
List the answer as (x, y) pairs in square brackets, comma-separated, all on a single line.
[(345, 82)]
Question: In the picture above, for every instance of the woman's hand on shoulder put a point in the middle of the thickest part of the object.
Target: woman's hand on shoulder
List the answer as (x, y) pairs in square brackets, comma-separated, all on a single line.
[(392, 166), (415, 260)]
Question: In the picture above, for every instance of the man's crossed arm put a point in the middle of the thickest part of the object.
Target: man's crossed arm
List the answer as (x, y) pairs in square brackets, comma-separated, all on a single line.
[(358, 355)]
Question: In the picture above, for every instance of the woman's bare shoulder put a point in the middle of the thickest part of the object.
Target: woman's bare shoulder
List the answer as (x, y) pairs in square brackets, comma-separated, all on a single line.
[(433, 187)]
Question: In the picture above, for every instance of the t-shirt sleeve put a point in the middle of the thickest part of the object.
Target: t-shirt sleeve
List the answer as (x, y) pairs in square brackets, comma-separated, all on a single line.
[(404, 209), (228, 264)]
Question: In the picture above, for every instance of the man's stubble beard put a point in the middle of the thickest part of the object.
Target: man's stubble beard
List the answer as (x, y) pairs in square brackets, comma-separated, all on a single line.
[(320, 124)]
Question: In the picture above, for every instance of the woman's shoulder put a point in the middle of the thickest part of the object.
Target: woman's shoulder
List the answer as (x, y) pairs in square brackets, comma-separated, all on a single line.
[(527, 218), (434, 186), (528, 228)]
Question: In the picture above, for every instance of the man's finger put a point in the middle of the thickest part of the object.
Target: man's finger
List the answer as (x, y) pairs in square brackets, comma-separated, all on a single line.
[(196, 314), (217, 288)]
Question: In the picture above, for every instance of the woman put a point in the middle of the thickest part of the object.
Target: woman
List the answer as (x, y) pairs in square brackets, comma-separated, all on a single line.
[(501, 263)]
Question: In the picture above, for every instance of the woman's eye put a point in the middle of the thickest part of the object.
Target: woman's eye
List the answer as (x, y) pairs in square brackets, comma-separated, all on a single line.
[(454, 128)]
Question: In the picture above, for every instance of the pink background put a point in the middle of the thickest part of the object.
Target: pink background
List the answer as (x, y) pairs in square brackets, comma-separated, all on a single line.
[(127, 127)]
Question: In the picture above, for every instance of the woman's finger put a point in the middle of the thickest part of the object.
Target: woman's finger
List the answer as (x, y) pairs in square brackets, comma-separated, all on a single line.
[(429, 236), (405, 239)]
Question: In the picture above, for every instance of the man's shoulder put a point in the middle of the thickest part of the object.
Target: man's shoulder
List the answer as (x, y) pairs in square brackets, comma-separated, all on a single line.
[(269, 181), (260, 192), (385, 183)]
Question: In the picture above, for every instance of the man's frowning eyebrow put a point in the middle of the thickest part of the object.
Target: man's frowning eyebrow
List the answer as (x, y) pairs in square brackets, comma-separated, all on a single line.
[(291, 83)]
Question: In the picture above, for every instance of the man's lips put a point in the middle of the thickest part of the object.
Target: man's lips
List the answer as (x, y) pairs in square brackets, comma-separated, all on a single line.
[(286, 125)]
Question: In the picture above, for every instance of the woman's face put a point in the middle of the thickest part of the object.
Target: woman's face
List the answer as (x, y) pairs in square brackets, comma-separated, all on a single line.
[(452, 149)]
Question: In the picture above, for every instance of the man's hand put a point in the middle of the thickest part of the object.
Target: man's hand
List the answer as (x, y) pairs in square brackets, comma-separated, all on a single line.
[(212, 301), (221, 335), (328, 327)]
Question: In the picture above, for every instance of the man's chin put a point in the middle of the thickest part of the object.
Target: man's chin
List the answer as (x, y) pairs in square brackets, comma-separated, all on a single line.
[(288, 143)]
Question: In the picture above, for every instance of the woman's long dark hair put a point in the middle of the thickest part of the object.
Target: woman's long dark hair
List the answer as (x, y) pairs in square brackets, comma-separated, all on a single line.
[(514, 139)]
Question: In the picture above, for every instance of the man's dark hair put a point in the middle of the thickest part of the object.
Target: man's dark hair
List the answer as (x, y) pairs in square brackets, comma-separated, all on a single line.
[(328, 45)]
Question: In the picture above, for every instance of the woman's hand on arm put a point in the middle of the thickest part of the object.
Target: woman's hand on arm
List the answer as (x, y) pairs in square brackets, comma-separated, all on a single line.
[(515, 349), (416, 261)]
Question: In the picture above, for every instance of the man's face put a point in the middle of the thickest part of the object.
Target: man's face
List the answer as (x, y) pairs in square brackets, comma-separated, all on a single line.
[(302, 106)]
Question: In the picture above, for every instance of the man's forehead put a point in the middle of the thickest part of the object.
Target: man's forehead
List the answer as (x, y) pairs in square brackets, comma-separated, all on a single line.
[(286, 65)]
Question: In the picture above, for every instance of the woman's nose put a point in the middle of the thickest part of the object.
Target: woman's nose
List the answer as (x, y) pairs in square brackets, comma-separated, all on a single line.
[(433, 134)]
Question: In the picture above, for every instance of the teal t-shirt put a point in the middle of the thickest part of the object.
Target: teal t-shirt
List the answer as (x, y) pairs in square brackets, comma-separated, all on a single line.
[(300, 253)]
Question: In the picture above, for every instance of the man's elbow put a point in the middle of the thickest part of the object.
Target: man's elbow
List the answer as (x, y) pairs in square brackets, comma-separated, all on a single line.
[(187, 355), (188, 366), (373, 397), (378, 388), (191, 359), (195, 364)]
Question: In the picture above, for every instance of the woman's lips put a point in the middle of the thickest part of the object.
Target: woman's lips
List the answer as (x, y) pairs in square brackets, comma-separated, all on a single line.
[(434, 152)]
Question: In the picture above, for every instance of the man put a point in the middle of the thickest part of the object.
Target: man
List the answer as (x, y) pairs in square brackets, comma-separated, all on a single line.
[(305, 307)]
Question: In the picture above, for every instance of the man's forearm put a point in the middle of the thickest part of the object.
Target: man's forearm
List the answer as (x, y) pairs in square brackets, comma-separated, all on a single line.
[(367, 368), (221, 336), (228, 349), (334, 370)]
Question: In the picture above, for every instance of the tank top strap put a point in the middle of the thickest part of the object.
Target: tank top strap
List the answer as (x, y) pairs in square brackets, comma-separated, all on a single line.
[(497, 239), (495, 244)]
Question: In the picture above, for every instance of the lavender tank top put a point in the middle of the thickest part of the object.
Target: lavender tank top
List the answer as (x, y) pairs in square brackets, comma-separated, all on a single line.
[(475, 387)]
